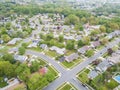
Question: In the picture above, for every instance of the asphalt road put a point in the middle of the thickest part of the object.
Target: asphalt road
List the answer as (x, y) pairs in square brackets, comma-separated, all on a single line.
[(70, 75)]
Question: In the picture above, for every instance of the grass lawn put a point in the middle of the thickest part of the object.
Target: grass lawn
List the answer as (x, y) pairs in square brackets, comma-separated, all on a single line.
[(83, 75), (71, 64), (67, 86), (38, 49), (100, 47), (68, 52), (50, 67), (51, 53)]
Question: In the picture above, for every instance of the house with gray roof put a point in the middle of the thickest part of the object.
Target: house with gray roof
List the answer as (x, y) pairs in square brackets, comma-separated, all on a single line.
[(20, 58), (44, 46), (14, 41), (83, 49), (102, 67), (58, 50), (71, 57), (92, 74)]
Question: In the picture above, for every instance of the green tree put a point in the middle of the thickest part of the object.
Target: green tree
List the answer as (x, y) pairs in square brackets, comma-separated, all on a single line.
[(70, 45), (21, 50), (8, 57), (72, 19), (79, 27), (103, 29), (80, 43), (61, 38), (35, 66), (23, 72), (5, 37), (7, 69)]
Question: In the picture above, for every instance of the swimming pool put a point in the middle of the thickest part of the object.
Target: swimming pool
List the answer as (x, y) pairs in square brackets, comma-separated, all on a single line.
[(117, 78)]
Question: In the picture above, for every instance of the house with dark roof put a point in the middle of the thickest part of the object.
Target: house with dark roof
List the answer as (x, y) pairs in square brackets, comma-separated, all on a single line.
[(71, 57)]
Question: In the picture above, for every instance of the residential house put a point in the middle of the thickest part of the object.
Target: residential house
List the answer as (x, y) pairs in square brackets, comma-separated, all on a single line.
[(78, 37), (14, 41), (34, 43), (68, 37), (44, 46), (71, 57), (95, 44), (58, 50), (115, 58), (92, 74), (1, 41), (102, 67), (20, 58), (83, 49)]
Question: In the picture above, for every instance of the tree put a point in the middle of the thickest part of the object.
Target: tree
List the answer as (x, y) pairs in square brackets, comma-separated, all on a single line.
[(5, 38), (83, 20), (23, 72), (61, 38), (86, 40), (8, 57), (36, 82), (80, 43), (35, 66), (72, 19), (79, 27), (70, 45), (7, 69), (21, 50), (110, 51), (103, 29), (104, 41), (49, 37)]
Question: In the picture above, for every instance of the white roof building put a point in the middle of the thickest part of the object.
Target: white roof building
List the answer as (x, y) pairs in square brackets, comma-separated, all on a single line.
[(58, 50)]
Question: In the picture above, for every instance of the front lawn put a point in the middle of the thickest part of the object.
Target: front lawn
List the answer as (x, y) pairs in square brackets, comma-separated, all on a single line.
[(51, 53), (71, 64), (67, 86)]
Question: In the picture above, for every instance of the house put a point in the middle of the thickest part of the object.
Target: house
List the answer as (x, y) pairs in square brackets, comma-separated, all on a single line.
[(20, 58), (92, 74), (78, 37), (71, 57), (1, 41), (62, 59), (44, 46), (58, 50), (68, 37), (95, 44), (34, 43), (102, 67), (14, 41), (115, 58), (83, 49)]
